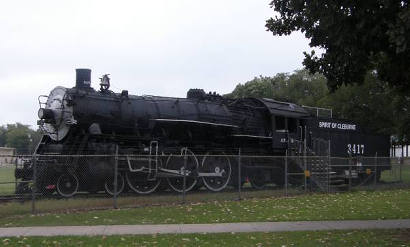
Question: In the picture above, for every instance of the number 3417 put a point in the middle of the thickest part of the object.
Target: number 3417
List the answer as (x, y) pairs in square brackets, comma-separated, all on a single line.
[(355, 148)]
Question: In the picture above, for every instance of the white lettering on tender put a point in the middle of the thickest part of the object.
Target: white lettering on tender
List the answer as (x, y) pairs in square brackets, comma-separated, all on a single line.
[(341, 126)]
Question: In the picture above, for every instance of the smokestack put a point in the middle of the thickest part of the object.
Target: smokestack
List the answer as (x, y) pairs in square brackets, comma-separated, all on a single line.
[(83, 78)]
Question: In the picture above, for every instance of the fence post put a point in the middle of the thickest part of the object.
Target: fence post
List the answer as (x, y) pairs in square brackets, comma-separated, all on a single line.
[(15, 168), (34, 186), (401, 162), (402, 150), (375, 170), (350, 173), (393, 153), (305, 159), (239, 175), (184, 178), (286, 173), (116, 177), (329, 165)]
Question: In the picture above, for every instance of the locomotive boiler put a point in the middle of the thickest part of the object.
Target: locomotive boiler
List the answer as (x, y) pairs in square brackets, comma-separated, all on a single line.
[(159, 140)]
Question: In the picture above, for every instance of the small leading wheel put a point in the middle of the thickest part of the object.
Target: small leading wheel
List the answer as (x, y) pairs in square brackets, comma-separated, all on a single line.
[(220, 166), (23, 188), (139, 182), (67, 185), (257, 178), (110, 183), (176, 162)]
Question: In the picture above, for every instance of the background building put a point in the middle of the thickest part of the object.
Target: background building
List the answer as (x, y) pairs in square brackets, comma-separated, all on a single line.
[(6, 155)]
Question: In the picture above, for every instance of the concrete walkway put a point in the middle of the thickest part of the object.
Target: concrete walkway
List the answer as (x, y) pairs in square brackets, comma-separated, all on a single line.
[(203, 228)]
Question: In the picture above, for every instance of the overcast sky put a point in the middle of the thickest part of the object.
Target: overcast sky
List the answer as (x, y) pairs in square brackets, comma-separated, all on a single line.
[(159, 47)]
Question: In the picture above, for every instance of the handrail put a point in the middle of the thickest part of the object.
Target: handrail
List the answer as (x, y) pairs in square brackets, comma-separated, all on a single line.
[(319, 108)]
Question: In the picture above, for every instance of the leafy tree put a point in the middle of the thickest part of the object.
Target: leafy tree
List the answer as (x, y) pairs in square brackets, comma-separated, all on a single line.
[(3, 131), (374, 104), (369, 104), (259, 87), (21, 137), (299, 87), (356, 37), (17, 137), (35, 138), (401, 109)]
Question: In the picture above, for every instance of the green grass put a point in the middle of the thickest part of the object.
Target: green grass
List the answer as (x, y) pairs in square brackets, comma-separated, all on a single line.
[(313, 238), (362, 205), (103, 201), (393, 175), (7, 175)]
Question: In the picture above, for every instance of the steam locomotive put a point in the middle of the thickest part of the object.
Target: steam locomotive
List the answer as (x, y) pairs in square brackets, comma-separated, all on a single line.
[(190, 137)]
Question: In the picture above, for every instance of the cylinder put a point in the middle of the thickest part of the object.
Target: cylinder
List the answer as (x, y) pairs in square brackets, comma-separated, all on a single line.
[(83, 78)]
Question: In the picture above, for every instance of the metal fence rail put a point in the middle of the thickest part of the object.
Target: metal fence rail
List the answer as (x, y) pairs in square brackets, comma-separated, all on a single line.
[(129, 179)]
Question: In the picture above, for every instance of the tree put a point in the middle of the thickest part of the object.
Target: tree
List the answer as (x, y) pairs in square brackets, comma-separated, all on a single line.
[(17, 137), (374, 104), (259, 87), (35, 138), (368, 104), (299, 87), (21, 137), (356, 37), (3, 131)]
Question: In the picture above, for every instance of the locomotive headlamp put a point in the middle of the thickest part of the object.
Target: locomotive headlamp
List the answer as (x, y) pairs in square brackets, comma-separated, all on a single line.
[(45, 114)]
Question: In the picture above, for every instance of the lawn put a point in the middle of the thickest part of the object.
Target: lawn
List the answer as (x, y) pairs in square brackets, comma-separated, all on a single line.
[(7, 175), (361, 205), (393, 175), (313, 238)]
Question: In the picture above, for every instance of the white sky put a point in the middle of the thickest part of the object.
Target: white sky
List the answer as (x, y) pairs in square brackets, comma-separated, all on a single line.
[(159, 47)]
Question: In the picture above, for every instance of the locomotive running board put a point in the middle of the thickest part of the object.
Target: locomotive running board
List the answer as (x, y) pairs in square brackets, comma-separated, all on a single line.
[(194, 122)]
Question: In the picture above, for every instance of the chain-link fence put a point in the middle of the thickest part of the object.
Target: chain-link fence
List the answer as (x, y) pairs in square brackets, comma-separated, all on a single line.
[(44, 183)]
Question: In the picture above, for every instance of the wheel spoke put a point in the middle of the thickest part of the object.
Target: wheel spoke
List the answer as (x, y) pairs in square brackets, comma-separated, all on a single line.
[(176, 162), (215, 164), (139, 183), (110, 185), (67, 185), (257, 179)]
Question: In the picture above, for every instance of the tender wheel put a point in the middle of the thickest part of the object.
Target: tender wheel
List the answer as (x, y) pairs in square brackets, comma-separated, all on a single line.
[(176, 162), (67, 185), (109, 184), (257, 178), (218, 165), (236, 185), (139, 182)]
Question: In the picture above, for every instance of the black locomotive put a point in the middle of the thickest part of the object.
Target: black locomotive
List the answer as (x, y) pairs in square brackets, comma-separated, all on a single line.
[(192, 136)]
